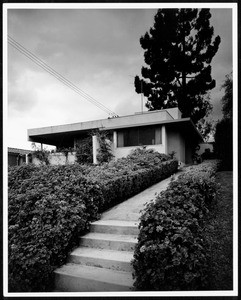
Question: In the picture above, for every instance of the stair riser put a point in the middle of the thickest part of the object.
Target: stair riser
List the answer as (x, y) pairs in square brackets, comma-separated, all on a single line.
[(127, 230), (101, 263), (68, 283), (105, 244)]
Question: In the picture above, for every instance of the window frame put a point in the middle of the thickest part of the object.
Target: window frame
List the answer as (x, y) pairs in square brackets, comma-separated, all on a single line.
[(157, 132)]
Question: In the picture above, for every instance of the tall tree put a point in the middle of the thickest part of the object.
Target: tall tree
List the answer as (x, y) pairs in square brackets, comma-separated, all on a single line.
[(227, 100), (178, 51), (223, 145)]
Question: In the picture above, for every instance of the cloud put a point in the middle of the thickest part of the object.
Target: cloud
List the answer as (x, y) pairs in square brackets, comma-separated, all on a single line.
[(99, 51), (22, 97)]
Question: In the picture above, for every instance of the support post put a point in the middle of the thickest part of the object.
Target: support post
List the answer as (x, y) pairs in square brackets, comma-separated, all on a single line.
[(95, 147), (164, 138), (115, 139)]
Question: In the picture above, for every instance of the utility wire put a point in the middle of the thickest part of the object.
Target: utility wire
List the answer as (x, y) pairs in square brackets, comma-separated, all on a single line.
[(58, 76)]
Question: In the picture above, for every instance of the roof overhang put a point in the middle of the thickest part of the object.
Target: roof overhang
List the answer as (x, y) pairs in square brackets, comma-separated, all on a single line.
[(54, 135)]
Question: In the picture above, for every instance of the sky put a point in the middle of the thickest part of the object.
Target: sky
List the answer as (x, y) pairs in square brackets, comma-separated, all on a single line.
[(96, 49)]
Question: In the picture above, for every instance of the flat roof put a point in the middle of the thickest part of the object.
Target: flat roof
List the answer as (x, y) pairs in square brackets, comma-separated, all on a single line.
[(54, 134), (18, 151), (118, 122)]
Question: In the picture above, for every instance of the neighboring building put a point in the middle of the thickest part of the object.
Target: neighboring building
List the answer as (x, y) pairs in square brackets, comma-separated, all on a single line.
[(17, 157), (163, 130), (208, 146)]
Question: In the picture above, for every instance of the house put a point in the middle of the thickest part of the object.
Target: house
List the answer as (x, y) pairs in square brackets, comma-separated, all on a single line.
[(163, 130), (17, 157)]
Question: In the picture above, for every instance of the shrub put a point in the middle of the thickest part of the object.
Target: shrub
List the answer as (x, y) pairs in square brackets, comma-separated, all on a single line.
[(147, 157), (223, 145), (47, 213), (19, 173), (104, 152), (84, 152), (172, 253), (128, 176), (51, 206)]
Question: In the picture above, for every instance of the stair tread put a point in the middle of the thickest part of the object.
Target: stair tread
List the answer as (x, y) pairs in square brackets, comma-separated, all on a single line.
[(114, 255), (120, 223), (110, 237), (121, 278)]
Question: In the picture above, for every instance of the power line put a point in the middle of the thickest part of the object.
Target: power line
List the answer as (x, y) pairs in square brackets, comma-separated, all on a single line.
[(58, 76)]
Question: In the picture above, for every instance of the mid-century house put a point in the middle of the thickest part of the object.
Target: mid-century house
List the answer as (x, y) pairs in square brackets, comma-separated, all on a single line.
[(163, 130), (17, 157)]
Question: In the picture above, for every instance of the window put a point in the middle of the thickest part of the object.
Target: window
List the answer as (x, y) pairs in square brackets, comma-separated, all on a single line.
[(139, 136)]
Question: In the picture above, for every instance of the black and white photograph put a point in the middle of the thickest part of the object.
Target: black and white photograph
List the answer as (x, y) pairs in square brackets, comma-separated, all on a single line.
[(120, 149)]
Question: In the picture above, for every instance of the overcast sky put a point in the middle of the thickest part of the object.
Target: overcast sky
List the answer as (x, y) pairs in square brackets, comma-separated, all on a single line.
[(99, 51)]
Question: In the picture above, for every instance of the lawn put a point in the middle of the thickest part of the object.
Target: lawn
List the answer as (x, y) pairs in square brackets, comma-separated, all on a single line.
[(219, 231)]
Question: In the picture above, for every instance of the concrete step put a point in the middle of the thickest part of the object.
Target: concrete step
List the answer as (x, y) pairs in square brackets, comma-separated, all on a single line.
[(102, 258), (78, 278), (115, 227), (109, 241)]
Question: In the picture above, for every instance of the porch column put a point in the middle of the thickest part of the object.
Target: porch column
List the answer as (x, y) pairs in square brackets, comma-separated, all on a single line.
[(26, 155), (164, 138), (115, 139), (95, 147)]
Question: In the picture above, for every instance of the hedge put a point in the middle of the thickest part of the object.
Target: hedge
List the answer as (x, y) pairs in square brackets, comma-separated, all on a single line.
[(47, 214), (172, 253), (118, 184), (50, 207)]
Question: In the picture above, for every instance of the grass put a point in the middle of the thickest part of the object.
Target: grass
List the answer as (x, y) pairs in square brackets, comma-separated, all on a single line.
[(219, 232)]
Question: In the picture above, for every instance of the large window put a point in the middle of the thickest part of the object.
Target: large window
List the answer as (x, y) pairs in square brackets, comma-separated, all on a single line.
[(139, 136)]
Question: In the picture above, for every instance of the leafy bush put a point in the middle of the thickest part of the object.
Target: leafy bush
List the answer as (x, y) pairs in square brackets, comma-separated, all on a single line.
[(148, 157), (104, 152), (172, 253), (223, 146), (47, 213), (84, 152), (128, 176), (51, 206)]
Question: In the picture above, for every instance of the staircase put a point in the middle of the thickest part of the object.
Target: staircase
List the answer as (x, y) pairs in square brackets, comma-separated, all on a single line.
[(103, 260)]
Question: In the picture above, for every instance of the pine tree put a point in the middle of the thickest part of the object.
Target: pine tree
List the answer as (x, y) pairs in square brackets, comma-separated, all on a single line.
[(227, 99), (178, 51)]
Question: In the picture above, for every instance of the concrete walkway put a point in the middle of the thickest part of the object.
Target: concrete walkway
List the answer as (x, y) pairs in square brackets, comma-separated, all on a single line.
[(102, 262), (130, 209)]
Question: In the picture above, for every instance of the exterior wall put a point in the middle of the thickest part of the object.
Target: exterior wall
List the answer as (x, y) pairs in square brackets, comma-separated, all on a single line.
[(189, 152), (124, 151), (14, 159), (176, 142), (57, 159), (174, 112)]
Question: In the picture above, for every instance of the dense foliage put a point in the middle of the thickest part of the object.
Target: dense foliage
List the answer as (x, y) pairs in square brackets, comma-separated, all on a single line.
[(84, 151), (51, 206), (172, 253), (223, 145), (227, 100), (48, 210), (178, 51), (104, 151)]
